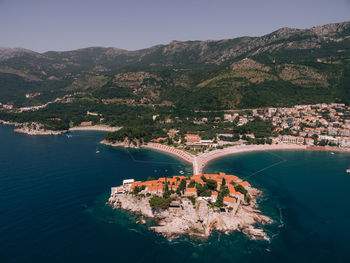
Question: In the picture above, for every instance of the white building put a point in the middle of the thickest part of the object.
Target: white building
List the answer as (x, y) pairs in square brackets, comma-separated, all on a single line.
[(344, 142), (292, 139)]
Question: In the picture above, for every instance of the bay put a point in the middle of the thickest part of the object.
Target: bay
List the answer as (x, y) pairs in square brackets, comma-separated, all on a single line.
[(53, 191)]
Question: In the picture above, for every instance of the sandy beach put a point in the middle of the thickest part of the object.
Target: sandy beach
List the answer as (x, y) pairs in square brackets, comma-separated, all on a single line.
[(95, 128), (204, 158), (170, 150), (201, 160)]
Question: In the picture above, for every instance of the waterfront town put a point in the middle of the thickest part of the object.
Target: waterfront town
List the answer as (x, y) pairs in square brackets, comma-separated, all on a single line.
[(195, 205), (310, 125)]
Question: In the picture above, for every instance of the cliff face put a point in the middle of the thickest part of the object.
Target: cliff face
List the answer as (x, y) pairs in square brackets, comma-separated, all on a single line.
[(197, 220)]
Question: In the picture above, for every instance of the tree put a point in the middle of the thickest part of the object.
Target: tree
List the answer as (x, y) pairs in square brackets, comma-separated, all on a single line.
[(224, 190), (181, 187), (220, 200), (166, 193), (202, 190), (212, 184), (192, 184), (223, 183)]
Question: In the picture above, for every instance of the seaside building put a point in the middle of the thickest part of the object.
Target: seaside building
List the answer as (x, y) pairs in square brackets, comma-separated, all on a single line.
[(191, 192), (160, 139), (309, 141), (192, 138), (229, 201), (86, 123), (344, 142), (292, 139)]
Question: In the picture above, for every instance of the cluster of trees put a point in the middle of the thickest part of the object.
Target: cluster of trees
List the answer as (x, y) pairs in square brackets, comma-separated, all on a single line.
[(141, 133), (234, 138), (159, 202), (259, 127), (259, 140), (182, 186), (242, 190)]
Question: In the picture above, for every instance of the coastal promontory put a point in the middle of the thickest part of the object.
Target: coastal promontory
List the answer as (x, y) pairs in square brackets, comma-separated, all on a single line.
[(194, 206)]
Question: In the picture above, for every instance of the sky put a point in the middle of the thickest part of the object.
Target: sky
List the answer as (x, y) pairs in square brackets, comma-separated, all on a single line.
[(43, 25)]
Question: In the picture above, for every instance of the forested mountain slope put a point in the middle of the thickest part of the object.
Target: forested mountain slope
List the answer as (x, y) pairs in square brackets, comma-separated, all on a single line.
[(288, 66)]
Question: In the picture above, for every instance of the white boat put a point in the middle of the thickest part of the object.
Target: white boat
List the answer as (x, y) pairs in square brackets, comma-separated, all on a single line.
[(348, 171), (181, 172), (332, 152), (97, 150)]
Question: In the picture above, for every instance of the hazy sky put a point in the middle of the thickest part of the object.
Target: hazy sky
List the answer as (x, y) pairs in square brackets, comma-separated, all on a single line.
[(43, 25)]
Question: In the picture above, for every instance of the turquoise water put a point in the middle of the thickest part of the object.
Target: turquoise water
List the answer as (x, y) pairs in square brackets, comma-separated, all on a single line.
[(53, 191)]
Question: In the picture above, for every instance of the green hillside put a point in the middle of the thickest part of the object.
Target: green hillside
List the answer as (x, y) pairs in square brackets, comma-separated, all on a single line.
[(288, 66)]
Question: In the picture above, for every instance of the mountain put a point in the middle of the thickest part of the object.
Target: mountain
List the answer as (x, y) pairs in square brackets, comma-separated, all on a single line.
[(284, 67)]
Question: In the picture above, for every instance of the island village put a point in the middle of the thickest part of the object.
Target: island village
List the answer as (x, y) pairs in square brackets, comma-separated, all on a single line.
[(203, 203), (193, 206)]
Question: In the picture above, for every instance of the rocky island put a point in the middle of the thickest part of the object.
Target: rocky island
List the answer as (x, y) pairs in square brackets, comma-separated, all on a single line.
[(193, 206)]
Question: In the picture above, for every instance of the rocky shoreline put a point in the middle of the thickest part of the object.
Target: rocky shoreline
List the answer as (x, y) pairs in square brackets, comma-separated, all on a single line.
[(197, 220), (31, 128), (124, 144), (34, 128)]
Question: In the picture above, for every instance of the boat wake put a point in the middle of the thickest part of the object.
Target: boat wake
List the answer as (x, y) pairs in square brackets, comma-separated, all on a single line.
[(281, 219)]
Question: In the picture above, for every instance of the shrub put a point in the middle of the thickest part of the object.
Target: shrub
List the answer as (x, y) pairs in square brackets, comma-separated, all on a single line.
[(247, 198), (192, 199), (138, 189), (192, 184)]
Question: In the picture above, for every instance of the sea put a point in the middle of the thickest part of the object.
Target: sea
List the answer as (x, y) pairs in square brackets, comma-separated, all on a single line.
[(54, 189)]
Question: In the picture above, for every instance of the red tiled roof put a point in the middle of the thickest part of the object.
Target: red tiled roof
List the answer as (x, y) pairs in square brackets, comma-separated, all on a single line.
[(229, 199)]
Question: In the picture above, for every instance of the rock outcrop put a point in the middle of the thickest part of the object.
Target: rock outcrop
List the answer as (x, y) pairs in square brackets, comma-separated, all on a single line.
[(199, 219)]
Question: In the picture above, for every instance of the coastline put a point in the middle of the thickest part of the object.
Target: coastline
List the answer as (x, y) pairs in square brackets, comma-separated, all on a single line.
[(203, 159), (31, 128), (29, 131), (187, 157), (115, 144), (206, 158), (25, 129), (200, 161)]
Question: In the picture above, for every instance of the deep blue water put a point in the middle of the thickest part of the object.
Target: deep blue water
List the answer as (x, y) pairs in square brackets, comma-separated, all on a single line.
[(53, 191)]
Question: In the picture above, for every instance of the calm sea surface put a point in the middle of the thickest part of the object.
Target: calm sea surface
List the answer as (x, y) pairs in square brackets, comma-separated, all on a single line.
[(53, 191)]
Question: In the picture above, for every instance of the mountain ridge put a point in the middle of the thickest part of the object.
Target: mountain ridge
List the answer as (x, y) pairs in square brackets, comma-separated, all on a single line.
[(310, 62), (322, 29)]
